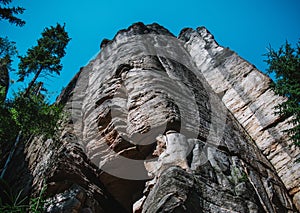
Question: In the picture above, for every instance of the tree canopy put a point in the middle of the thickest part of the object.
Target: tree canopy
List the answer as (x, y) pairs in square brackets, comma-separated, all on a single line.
[(9, 13), (45, 56), (7, 51), (28, 113), (285, 64)]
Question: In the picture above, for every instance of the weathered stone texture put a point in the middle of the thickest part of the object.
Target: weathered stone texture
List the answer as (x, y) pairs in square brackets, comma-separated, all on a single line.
[(246, 93), (160, 124)]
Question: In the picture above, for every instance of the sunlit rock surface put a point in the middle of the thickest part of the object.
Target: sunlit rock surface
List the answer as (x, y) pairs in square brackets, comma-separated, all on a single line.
[(246, 93), (164, 124)]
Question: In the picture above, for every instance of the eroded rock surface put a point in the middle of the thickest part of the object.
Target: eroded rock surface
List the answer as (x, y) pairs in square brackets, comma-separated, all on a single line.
[(160, 124), (246, 92)]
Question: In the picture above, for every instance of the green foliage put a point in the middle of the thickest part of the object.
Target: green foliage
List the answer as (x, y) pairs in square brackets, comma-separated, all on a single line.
[(16, 204), (28, 112), (237, 176), (7, 48), (45, 56), (7, 51), (8, 128), (2, 93), (11, 201), (285, 64), (9, 13), (34, 116), (37, 204), (19, 203)]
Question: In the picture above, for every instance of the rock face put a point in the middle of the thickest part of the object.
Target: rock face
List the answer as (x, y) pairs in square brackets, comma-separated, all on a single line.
[(164, 124), (246, 93)]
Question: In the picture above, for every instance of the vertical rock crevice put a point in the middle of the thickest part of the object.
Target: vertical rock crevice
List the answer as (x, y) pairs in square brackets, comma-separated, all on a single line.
[(247, 95), (160, 124)]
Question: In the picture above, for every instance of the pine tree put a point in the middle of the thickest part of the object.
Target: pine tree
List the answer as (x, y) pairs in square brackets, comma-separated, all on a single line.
[(45, 57), (7, 51), (8, 13), (285, 64), (7, 48)]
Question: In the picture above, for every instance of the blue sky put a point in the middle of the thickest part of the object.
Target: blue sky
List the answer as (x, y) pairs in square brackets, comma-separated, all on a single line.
[(245, 26)]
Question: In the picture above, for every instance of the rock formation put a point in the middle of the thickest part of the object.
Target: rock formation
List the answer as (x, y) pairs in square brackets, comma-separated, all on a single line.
[(164, 124)]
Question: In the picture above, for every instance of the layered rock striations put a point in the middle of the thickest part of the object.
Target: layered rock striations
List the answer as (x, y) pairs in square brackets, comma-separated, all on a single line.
[(246, 93), (164, 124)]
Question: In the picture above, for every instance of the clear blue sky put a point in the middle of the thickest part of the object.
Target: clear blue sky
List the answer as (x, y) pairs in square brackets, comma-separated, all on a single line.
[(245, 26)]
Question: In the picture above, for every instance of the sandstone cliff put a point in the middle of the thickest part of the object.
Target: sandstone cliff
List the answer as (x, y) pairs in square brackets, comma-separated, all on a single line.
[(164, 124)]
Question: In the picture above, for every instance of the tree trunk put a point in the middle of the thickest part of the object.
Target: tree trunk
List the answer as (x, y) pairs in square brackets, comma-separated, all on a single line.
[(26, 94)]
